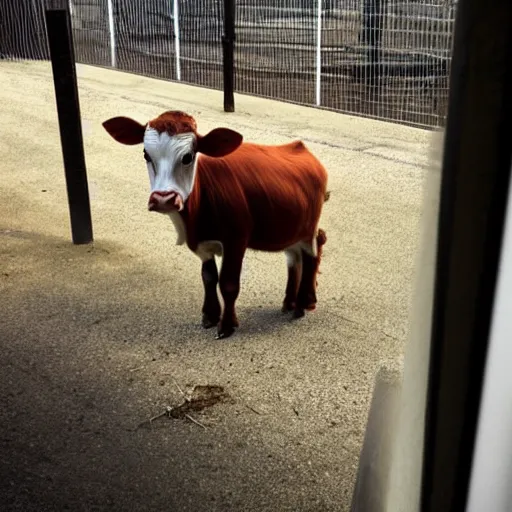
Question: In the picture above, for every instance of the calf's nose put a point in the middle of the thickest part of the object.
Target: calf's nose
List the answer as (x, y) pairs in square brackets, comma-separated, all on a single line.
[(164, 201), (159, 200)]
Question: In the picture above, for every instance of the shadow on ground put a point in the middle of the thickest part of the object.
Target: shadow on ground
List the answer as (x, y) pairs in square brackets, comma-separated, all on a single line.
[(91, 347)]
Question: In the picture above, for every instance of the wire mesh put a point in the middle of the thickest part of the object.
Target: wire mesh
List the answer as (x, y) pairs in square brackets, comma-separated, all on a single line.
[(388, 59), (201, 27), (275, 49), (22, 30), (89, 21), (144, 37)]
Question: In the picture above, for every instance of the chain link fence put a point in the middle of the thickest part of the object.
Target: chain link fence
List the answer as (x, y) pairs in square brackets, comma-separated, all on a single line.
[(388, 59)]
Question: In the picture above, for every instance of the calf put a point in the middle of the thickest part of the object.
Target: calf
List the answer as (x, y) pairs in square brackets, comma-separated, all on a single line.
[(225, 196)]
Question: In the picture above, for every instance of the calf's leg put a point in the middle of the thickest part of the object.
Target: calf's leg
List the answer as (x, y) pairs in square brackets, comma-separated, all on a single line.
[(294, 261), (306, 296), (211, 305), (230, 288)]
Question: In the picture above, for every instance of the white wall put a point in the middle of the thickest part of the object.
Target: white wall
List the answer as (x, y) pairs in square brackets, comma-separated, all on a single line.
[(404, 484), (491, 478)]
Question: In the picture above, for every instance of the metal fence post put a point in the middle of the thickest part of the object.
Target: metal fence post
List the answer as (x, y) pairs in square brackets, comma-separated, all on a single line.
[(112, 33), (176, 24), (319, 53), (228, 40), (60, 42)]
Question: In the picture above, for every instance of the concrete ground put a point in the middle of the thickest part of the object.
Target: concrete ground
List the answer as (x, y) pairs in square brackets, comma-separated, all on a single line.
[(96, 339)]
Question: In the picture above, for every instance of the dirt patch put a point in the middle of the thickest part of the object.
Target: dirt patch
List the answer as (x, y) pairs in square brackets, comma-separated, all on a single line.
[(201, 397)]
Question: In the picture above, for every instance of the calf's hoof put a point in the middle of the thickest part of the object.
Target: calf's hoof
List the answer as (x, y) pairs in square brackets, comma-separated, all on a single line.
[(224, 332), (307, 303), (209, 321), (288, 306), (226, 327), (298, 312)]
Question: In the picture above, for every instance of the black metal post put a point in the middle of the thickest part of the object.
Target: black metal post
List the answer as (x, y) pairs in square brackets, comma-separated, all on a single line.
[(58, 24), (228, 40)]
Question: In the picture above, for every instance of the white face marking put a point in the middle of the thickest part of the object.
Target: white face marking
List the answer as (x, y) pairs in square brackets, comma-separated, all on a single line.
[(169, 170)]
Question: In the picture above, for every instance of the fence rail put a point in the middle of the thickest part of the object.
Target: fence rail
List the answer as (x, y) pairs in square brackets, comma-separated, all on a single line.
[(387, 59)]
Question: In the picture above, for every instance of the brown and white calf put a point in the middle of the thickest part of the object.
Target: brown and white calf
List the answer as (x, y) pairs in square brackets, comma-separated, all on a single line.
[(225, 196)]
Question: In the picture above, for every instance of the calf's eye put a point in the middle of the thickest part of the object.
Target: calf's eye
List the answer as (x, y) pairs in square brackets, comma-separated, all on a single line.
[(147, 157), (187, 159)]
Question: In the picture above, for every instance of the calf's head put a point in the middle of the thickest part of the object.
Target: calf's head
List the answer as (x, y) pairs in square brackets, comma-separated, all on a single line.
[(171, 145)]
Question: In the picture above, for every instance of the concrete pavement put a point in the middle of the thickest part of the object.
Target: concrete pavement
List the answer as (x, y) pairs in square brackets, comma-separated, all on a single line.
[(94, 338)]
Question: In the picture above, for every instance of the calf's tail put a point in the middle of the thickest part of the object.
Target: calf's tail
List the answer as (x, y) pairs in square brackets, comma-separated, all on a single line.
[(321, 239)]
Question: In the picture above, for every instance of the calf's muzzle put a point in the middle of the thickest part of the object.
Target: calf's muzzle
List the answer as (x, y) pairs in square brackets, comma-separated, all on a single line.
[(165, 202)]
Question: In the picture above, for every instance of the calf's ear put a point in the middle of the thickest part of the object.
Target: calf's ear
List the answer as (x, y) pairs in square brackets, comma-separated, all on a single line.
[(125, 130), (219, 142)]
